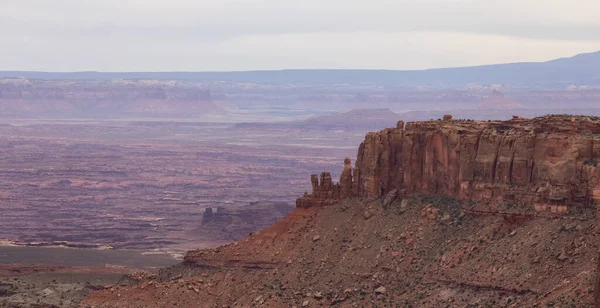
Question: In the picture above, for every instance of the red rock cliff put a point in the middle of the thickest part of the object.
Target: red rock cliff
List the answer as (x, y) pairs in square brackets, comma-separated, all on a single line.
[(549, 162)]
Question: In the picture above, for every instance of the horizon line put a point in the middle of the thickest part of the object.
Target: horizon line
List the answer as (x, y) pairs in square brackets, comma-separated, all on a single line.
[(293, 69)]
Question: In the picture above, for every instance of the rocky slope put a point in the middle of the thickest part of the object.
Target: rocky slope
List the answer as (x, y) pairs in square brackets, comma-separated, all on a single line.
[(422, 252), (434, 214)]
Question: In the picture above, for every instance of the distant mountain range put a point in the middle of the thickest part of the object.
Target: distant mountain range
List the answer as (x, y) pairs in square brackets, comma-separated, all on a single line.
[(580, 69)]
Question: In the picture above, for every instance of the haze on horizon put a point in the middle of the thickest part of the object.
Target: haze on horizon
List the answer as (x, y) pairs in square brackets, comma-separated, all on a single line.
[(233, 35)]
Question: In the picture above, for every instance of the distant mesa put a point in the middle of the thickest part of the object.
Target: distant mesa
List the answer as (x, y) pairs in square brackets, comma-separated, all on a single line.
[(356, 117), (100, 99), (356, 120), (382, 112), (497, 100)]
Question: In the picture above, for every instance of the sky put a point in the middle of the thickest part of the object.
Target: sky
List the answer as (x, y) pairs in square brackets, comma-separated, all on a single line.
[(235, 35)]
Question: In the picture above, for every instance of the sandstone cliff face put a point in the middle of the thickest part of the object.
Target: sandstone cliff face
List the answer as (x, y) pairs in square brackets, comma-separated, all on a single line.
[(549, 162)]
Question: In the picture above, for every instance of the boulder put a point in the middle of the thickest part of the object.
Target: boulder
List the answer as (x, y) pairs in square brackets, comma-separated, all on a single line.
[(389, 198)]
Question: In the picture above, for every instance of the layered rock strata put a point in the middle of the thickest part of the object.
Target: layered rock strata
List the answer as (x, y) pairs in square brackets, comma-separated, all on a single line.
[(550, 163)]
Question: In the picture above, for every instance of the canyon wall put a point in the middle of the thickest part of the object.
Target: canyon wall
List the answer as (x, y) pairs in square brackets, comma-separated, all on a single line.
[(550, 163)]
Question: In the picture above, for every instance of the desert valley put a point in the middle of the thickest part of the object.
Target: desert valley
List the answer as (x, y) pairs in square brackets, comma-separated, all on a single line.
[(221, 189)]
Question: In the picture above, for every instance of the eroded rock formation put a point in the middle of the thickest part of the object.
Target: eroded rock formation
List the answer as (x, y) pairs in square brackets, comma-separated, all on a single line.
[(324, 192), (549, 162)]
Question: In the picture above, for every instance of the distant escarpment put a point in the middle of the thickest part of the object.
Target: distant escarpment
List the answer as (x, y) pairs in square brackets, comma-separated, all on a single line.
[(549, 163), (114, 99)]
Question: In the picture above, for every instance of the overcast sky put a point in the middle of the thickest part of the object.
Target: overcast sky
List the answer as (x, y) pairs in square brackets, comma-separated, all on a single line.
[(208, 35)]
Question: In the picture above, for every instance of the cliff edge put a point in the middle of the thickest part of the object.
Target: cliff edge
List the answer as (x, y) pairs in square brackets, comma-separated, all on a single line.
[(549, 163)]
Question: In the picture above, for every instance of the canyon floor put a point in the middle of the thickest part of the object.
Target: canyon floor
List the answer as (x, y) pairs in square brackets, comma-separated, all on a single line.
[(145, 185), (85, 202)]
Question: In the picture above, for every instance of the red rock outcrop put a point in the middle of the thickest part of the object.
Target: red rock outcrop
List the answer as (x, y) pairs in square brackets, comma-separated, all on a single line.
[(324, 192), (327, 193), (548, 162)]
